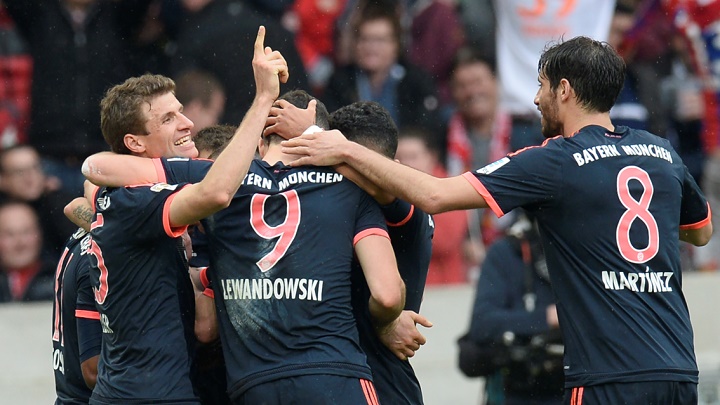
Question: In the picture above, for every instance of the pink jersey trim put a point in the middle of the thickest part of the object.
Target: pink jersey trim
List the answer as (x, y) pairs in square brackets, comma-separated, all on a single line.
[(545, 142), (79, 313), (405, 220), (171, 231), (208, 292), (698, 225), (480, 188), (203, 277), (94, 198), (369, 232), (159, 171)]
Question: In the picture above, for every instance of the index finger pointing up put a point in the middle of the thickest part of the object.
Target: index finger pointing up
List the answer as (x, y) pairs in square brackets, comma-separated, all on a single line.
[(260, 42)]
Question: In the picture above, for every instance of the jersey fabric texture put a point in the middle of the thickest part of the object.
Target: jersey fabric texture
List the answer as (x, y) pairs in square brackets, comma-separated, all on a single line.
[(609, 205), (73, 300), (145, 298), (280, 261), (411, 232)]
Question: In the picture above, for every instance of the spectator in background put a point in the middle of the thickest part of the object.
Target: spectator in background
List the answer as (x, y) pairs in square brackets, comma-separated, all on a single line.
[(451, 248), (272, 8), (79, 48), (436, 34), (217, 36), (24, 275), (22, 179), (648, 55), (479, 131), (523, 29), (15, 75), (478, 19), (202, 97), (314, 23), (378, 74), (628, 110), (698, 22)]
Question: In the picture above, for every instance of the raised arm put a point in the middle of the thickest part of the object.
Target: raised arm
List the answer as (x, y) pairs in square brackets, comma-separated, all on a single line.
[(222, 181), (429, 193)]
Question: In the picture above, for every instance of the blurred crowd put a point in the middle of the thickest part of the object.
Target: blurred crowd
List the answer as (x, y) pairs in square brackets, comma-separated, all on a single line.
[(457, 76)]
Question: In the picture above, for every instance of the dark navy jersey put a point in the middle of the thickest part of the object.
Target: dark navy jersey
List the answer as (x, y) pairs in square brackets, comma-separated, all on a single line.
[(609, 206), (73, 299), (145, 298), (280, 262), (411, 232)]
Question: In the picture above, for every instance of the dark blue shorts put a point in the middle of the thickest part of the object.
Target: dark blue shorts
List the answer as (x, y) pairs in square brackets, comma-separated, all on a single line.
[(637, 393), (320, 389)]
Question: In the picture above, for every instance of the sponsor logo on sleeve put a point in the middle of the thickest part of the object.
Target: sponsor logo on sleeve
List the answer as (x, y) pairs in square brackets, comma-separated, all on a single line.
[(493, 166), (163, 186)]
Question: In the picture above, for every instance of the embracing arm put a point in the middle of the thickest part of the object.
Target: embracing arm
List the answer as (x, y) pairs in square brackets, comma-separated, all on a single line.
[(114, 170), (429, 193)]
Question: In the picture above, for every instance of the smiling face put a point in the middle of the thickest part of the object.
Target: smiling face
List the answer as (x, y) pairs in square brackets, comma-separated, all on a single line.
[(547, 103), (474, 90), (169, 130)]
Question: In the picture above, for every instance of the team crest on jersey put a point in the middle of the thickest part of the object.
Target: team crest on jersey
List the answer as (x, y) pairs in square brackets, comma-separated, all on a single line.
[(163, 186), (103, 202), (493, 166)]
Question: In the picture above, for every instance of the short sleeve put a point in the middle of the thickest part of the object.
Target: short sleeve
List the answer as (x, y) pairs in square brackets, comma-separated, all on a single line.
[(530, 178), (369, 219), (695, 210), (184, 170)]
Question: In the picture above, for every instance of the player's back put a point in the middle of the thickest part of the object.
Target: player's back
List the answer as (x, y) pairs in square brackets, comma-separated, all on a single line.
[(71, 274), (281, 258), (144, 296), (411, 232), (609, 219)]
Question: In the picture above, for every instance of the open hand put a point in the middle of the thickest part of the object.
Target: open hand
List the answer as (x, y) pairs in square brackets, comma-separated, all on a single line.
[(318, 149), (402, 336), (289, 121)]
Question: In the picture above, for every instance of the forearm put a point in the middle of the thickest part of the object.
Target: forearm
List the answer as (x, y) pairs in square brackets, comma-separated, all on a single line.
[(79, 212), (382, 315), (431, 194), (206, 328), (115, 170)]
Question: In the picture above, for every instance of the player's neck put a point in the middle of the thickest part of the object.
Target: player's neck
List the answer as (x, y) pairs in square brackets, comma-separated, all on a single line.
[(584, 119), (274, 154)]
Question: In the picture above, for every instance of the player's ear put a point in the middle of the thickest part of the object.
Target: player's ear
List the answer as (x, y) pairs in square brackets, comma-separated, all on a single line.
[(134, 143), (262, 147), (565, 89)]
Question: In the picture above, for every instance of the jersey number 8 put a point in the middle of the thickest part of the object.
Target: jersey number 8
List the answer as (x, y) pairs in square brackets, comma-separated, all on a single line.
[(636, 209)]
